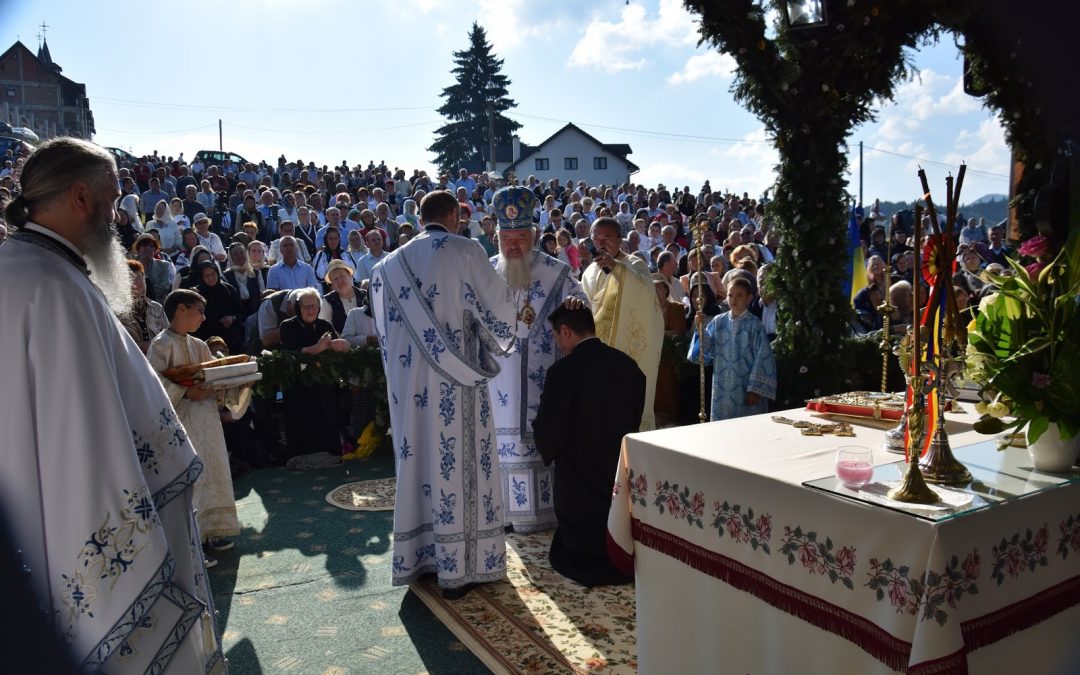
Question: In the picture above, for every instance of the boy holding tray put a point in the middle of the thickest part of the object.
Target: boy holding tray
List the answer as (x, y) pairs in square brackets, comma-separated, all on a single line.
[(197, 408)]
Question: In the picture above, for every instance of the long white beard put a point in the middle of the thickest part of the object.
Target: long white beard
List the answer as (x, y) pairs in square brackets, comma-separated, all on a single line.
[(107, 261), (516, 271)]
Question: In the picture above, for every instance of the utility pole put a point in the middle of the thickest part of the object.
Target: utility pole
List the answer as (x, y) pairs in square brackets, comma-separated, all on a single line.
[(860, 174), (220, 143), (491, 136)]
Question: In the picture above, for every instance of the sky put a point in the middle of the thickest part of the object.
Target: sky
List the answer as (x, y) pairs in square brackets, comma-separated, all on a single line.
[(333, 80)]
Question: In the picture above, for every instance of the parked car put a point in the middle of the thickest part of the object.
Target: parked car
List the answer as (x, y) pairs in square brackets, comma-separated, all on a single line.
[(123, 156), (217, 157), (18, 146)]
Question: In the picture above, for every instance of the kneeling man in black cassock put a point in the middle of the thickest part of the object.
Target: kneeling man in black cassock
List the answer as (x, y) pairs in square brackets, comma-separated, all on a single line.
[(591, 399)]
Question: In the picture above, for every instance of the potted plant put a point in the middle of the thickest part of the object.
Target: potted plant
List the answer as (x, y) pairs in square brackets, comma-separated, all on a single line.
[(1024, 352)]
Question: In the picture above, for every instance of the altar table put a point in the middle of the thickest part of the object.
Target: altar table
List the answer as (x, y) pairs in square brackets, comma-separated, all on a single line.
[(740, 568)]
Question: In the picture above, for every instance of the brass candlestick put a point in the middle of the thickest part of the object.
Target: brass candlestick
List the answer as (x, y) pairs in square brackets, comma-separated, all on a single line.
[(698, 231), (913, 488), (895, 437)]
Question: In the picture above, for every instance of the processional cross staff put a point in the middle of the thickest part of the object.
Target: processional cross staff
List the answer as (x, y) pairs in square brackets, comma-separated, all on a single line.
[(698, 232)]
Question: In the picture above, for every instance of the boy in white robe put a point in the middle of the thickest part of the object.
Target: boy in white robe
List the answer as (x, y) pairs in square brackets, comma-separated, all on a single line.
[(215, 505)]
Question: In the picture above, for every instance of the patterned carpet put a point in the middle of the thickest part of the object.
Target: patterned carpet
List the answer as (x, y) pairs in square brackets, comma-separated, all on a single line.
[(538, 621), (306, 590), (366, 495)]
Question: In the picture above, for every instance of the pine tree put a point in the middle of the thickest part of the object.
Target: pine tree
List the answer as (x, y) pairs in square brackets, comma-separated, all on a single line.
[(479, 81)]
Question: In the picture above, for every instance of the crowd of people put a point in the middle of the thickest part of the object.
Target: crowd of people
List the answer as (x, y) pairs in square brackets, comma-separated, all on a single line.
[(895, 287), (520, 323)]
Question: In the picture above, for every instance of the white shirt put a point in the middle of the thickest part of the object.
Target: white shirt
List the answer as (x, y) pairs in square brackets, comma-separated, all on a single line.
[(212, 242), (326, 312), (358, 327)]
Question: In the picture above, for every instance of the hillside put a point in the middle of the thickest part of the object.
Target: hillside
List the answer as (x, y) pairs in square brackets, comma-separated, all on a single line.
[(991, 207)]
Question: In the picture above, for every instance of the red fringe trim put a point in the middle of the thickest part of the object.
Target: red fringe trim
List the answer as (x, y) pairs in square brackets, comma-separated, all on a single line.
[(989, 628), (623, 561), (893, 652), (872, 639)]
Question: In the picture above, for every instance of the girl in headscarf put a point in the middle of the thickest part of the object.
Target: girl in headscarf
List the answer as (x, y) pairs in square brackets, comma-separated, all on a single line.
[(257, 259), (176, 209), (168, 232)]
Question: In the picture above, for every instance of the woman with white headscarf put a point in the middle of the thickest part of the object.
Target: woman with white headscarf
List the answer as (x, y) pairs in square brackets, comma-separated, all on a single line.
[(128, 224), (168, 231), (408, 215), (129, 204)]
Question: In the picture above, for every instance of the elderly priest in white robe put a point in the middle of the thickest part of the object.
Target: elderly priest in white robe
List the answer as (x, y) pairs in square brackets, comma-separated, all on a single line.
[(440, 313), (627, 314), (96, 472), (539, 283)]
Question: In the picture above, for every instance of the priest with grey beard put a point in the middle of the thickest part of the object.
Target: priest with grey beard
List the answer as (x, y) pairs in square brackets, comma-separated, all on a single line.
[(96, 471), (539, 283)]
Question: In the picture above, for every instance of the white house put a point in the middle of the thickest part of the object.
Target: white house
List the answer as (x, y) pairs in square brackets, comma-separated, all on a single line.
[(570, 153)]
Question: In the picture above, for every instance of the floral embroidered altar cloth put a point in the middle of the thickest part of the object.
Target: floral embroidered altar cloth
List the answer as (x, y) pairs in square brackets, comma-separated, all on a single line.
[(740, 568)]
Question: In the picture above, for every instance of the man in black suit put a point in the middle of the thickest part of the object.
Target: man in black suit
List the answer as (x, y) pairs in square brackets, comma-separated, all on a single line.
[(591, 399)]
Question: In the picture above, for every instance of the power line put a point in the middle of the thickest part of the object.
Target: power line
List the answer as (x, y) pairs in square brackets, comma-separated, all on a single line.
[(333, 132), (185, 106), (662, 134), (157, 133), (988, 174)]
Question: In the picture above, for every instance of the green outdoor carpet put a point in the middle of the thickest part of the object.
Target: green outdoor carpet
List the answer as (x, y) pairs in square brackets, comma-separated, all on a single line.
[(307, 588)]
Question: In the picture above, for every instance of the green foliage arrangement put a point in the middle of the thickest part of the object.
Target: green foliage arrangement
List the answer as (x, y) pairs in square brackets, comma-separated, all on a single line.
[(1025, 348), (283, 369)]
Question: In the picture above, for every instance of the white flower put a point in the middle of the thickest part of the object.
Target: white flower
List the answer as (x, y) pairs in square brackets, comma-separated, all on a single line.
[(982, 407), (824, 87), (803, 369), (303, 367), (998, 409), (267, 352)]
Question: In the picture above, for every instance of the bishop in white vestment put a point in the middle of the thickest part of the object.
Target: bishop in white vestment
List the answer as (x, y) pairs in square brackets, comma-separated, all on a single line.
[(539, 283), (440, 311), (96, 472)]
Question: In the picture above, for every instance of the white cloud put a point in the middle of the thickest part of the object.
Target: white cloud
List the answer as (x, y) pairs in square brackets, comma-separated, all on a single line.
[(747, 166), (614, 47), (670, 174), (983, 149), (931, 117), (512, 23), (426, 6), (704, 65)]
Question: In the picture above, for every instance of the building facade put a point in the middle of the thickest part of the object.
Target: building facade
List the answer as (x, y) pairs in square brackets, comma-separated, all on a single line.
[(572, 154), (34, 94)]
